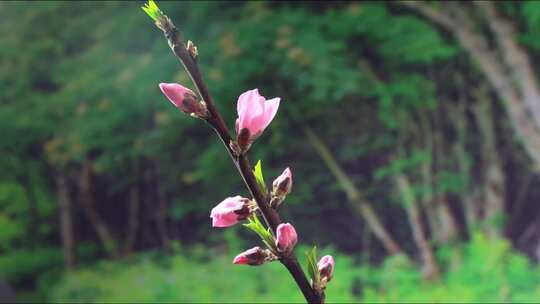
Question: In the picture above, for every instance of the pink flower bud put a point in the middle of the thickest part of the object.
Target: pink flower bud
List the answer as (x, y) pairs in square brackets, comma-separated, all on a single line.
[(286, 237), (184, 99), (230, 211), (282, 184), (254, 256), (254, 114), (326, 267)]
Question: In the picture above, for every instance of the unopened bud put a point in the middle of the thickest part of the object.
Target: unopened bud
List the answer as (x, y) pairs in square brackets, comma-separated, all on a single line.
[(286, 238), (326, 269), (230, 211), (281, 187), (255, 256), (184, 99)]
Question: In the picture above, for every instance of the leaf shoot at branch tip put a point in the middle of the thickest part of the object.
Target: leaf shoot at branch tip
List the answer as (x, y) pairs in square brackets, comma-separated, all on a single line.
[(152, 10)]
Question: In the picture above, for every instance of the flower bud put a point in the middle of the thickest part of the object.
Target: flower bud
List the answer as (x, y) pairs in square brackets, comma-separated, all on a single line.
[(254, 257), (282, 184), (286, 238), (326, 268), (230, 211), (184, 99)]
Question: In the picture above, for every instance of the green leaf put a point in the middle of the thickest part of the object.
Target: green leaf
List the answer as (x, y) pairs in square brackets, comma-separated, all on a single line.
[(152, 10), (313, 270), (259, 176), (265, 234)]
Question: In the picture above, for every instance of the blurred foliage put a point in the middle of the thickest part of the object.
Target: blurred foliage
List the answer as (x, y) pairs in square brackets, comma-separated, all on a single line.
[(486, 271), (194, 276), (480, 271), (78, 82)]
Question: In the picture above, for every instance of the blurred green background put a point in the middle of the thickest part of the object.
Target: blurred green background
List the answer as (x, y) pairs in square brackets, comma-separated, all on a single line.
[(412, 130)]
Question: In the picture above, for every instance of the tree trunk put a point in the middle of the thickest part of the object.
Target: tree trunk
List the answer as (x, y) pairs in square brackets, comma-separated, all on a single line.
[(428, 203), (448, 225), (429, 265), (66, 220), (516, 59), (133, 218), (493, 187), (161, 217), (511, 78), (427, 177), (470, 196), (26, 183), (87, 201), (449, 230), (354, 197)]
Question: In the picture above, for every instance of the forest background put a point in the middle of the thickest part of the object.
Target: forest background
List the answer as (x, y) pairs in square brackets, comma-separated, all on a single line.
[(412, 129)]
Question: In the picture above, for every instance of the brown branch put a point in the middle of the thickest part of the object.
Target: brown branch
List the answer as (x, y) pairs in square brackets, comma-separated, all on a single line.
[(188, 60)]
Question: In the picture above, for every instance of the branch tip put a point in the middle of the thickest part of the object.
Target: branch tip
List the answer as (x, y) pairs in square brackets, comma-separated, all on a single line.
[(152, 10)]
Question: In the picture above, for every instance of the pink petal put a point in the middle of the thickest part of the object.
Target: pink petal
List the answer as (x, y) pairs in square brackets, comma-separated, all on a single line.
[(270, 110), (254, 256), (240, 259), (225, 213), (244, 100), (248, 107)]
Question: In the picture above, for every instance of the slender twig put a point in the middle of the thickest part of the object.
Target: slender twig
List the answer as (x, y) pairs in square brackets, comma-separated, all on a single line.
[(189, 61)]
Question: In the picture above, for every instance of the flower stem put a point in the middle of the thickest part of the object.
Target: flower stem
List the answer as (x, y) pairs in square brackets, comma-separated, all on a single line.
[(241, 161)]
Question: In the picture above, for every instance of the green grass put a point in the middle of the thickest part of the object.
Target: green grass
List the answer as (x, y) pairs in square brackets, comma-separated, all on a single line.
[(185, 278), (479, 271)]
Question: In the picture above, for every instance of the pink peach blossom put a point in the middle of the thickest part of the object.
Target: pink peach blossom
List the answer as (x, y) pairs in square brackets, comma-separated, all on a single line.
[(254, 114), (230, 211), (286, 237)]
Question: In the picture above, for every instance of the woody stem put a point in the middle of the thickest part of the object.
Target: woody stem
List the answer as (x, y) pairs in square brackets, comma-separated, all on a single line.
[(241, 161)]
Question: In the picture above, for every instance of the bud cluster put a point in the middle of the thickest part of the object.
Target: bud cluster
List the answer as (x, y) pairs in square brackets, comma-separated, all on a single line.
[(255, 113)]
